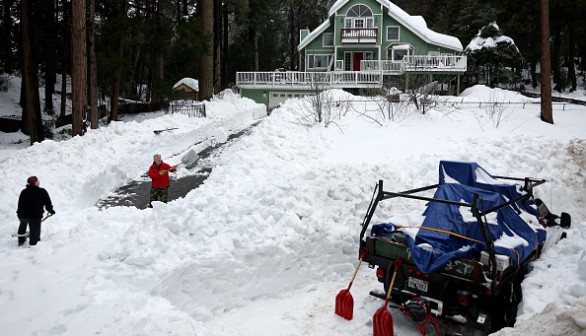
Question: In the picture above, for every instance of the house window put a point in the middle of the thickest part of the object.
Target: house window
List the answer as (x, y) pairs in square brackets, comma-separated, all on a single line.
[(347, 61), (370, 22), (318, 61), (396, 53), (359, 16), (328, 40), (347, 23), (393, 33), (359, 11)]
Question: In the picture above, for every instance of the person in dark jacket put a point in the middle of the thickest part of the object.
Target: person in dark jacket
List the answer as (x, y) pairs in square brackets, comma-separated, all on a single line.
[(30, 210), (159, 174)]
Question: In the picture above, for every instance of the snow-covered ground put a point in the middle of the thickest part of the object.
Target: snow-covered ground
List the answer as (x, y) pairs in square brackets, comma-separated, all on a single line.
[(270, 238)]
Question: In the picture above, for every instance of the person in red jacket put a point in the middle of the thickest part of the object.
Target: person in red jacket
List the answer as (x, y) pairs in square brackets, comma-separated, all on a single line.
[(159, 174)]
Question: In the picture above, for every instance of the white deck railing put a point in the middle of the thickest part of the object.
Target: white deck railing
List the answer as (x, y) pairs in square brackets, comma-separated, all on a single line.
[(435, 63), (371, 73), (332, 79), (417, 63)]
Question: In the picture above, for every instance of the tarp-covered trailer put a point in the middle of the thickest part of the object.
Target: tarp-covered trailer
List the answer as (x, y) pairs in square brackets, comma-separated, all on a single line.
[(468, 256)]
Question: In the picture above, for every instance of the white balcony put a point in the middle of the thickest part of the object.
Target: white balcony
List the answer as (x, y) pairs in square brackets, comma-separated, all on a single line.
[(359, 35), (417, 64)]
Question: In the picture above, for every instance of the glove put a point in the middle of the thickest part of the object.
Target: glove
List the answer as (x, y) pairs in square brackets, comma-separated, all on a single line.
[(52, 212)]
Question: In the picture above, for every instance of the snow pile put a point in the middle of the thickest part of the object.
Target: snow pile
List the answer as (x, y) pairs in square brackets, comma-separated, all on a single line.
[(263, 246)]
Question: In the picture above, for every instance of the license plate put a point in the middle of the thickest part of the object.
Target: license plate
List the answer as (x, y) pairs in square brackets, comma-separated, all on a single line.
[(418, 284)]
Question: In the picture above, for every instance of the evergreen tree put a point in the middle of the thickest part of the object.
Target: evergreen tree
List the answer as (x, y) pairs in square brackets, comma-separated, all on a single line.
[(494, 57)]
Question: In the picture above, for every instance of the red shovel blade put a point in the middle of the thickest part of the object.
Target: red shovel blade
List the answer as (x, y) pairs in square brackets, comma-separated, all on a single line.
[(345, 304), (382, 323)]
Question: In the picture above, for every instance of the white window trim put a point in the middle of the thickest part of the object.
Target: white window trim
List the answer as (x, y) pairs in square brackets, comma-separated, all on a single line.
[(328, 56), (349, 64), (348, 23), (398, 33), (369, 20), (410, 51), (347, 61), (323, 42)]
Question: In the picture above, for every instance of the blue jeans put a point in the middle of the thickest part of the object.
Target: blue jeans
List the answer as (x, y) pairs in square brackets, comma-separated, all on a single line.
[(34, 225)]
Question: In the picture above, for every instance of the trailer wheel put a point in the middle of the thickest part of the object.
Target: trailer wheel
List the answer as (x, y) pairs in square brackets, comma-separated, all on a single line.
[(399, 282), (504, 313)]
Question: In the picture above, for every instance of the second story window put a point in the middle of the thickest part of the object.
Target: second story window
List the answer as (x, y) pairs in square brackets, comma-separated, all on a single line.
[(328, 39), (392, 33), (359, 16)]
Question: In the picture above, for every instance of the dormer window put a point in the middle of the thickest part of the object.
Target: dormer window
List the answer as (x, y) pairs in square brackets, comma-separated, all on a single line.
[(359, 16)]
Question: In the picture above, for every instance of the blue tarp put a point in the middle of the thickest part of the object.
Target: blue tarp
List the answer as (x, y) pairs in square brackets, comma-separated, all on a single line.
[(459, 182)]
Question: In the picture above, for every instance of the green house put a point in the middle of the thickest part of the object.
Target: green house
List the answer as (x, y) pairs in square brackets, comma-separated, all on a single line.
[(363, 44)]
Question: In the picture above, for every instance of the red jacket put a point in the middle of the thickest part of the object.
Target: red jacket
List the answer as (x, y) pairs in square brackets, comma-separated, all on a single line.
[(160, 181)]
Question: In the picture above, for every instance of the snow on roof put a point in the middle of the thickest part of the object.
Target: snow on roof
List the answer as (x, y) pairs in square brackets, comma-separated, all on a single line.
[(192, 83), (478, 42), (401, 46), (414, 23)]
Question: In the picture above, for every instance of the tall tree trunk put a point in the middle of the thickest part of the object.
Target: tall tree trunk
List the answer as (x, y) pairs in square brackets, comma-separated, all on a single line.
[(533, 66), (78, 67), (546, 109), (93, 94), (292, 34), (225, 16), (31, 116), (253, 42), (50, 56), (206, 66), (555, 61), (572, 58), (217, 45), (118, 75), (65, 59), (7, 36)]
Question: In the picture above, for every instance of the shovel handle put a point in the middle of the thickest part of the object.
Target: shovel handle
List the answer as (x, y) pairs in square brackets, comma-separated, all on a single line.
[(396, 265), (364, 251)]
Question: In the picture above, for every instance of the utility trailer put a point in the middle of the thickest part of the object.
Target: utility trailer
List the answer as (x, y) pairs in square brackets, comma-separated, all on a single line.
[(469, 255)]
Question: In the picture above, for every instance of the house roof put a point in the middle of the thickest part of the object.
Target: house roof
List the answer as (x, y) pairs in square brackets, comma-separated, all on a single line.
[(416, 24), (189, 82), (315, 33)]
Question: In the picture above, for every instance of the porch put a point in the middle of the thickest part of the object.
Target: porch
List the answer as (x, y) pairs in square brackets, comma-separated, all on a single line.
[(425, 63), (370, 74)]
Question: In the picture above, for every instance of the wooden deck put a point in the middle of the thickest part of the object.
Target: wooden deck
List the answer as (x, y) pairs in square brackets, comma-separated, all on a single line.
[(370, 75)]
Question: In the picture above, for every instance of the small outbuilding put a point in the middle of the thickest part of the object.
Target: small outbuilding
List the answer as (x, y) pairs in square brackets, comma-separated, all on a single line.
[(187, 88)]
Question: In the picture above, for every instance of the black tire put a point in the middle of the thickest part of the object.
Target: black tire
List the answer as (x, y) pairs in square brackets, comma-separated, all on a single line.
[(504, 312)]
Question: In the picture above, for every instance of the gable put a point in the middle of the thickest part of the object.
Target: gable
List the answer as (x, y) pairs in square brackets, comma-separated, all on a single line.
[(384, 13)]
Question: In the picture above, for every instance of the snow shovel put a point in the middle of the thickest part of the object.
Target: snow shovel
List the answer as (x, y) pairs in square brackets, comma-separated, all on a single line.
[(187, 160), (344, 300), (26, 234), (165, 130), (382, 321)]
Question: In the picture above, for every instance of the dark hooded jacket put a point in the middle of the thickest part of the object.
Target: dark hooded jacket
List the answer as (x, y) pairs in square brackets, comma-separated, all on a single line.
[(31, 202)]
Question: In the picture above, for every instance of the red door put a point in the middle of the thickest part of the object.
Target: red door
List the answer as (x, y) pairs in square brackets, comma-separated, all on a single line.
[(358, 56)]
